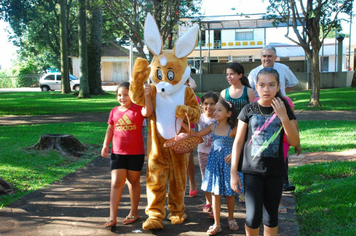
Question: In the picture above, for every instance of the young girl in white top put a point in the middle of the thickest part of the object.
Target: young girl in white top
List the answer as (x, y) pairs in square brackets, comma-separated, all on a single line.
[(208, 102)]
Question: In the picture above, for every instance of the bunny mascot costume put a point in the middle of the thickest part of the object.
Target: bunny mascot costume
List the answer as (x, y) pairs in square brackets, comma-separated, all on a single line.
[(167, 72)]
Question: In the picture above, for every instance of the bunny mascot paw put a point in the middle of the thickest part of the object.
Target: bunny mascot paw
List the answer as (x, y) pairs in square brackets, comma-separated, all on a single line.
[(177, 220), (168, 71), (140, 70), (140, 74)]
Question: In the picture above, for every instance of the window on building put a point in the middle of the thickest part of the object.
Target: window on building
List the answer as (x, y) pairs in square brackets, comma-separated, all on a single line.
[(241, 58), (324, 64), (203, 38), (214, 59), (194, 63), (243, 35), (217, 34), (223, 59), (284, 58)]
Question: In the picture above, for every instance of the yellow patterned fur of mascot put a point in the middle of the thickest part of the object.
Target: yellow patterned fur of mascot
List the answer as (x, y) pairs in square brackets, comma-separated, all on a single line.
[(167, 72)]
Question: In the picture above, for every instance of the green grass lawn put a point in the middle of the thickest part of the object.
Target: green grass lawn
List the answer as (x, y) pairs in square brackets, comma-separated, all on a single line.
[(40, 103), (29, 170), (49, 103), (325, 198), (327, 135), (325, 193), (340, 99)]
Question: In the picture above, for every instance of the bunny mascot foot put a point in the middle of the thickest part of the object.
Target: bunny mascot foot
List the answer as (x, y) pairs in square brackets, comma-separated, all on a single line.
[(171, 99), (152, 224), (177, 220)]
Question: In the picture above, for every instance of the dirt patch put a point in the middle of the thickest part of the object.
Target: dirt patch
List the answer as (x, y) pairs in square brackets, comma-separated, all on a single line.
[(318, 157)]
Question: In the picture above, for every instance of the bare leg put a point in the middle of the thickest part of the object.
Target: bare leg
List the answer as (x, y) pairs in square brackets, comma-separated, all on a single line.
[(230, 206), (133, 178), (251, 232), (217, 208), (118, 179), (208, 198), (270, 231), (191, 173)]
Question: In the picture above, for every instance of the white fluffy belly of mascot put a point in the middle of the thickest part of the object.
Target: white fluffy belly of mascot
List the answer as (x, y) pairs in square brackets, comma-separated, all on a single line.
[(168, 72)]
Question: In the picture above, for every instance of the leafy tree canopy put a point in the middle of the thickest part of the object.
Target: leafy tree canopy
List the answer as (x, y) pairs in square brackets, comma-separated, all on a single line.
[(316, 18), (35, 24), (129, 17)]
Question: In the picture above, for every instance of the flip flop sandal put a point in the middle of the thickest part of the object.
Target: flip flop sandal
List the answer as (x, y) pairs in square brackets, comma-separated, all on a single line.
[(110, 223), (282, 210), (130, 219), (242, 198), (214, 229), (233, 225), (207, 208), (211, 215)]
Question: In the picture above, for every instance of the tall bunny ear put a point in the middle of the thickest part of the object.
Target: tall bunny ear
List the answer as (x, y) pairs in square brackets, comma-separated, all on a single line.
[(152, 36), (186, 44)]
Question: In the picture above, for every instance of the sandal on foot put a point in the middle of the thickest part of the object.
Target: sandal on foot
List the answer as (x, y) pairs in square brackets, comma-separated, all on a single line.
[(211, 215), (282, 210), (242, 198), (207, 208), (130, 219), (110, 223), (233, 225), (214, 229)]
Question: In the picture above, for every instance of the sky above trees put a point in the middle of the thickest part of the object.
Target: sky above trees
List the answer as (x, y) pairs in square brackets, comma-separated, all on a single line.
[(6, 48)]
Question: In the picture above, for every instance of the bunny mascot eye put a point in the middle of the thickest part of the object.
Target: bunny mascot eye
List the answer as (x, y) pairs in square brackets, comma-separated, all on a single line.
[(159, 74), (170, 75)]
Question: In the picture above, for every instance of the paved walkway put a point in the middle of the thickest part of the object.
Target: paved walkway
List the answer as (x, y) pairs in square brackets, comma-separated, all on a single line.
[(102, 117), (78, 204)]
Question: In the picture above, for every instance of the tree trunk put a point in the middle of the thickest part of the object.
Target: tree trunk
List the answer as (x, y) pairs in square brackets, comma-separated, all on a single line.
[(5, 187), (84, 84), (66, 144), (64, 47), (95, 21), (314, 79), (353, 83)]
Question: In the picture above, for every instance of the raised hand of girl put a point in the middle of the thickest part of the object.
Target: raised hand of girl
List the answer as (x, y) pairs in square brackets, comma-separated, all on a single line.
[(279, 108), (147, 89)]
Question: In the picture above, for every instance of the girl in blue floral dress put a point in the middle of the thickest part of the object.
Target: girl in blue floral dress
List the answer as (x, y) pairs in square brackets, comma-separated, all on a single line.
[(217, 173)]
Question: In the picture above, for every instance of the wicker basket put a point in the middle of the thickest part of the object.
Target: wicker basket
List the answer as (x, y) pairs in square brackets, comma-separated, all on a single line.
[(184, 142)]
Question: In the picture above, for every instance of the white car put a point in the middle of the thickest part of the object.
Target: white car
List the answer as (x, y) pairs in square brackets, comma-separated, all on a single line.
[(52, 81)]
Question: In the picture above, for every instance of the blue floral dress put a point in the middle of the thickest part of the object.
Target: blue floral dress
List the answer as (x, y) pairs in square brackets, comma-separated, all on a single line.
[(217, 173)]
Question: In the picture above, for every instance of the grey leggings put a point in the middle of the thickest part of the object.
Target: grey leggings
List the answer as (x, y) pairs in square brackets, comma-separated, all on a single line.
[(262, 196)]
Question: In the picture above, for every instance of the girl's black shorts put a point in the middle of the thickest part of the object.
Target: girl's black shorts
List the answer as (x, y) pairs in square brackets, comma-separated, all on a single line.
[(128, 162)]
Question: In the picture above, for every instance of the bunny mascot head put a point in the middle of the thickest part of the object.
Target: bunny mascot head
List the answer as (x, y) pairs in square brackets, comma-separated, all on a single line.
[(168, 72)]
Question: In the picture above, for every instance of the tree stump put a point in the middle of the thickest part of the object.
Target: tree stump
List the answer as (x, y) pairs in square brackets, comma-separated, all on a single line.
[(65, 143), (5, 187)]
